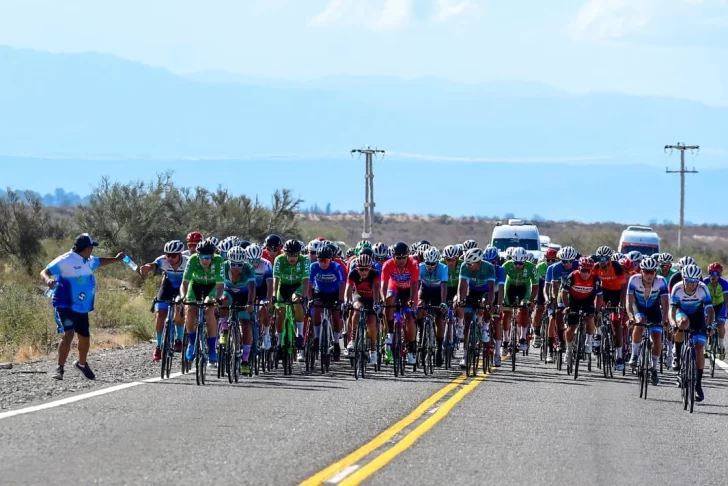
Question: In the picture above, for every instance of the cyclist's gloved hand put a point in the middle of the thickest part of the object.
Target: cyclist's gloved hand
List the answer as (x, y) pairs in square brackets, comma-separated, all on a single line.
[(443, 307), (377, 308)]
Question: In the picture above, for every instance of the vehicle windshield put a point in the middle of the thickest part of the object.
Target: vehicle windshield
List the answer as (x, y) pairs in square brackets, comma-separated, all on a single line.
[(504, 243), (644, 249)]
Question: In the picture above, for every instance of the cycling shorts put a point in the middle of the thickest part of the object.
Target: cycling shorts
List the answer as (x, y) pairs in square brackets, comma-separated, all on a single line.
[(239, 299), (575, 305), (431, 295), (514, 295), (70, 320)]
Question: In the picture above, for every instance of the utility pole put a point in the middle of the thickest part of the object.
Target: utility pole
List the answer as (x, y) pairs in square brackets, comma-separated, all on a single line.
[(682, 148), (370, 153)]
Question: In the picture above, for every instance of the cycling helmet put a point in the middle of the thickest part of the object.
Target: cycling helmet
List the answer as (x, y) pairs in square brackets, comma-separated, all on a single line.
[(337, 250), (664, 258), (550, 254), (474, 255), (490, 254), (520, 255), (431, 255), (243, 243), (400, 249), (469, 245), (254, 253), (194, 237), (715, 267), (461, 249), (272, 241), (349, 252), (363, 251), (236, 254), (206, 248), (214, 240), (325, 252), (413, 248), (586, 263), (509, 252), (450, 252), (626, 264), (648, 263), (604, 251), (567, 253), (173, 247), (225, 245), (532, 258), (423, 242), (691, 271), (422, 249), (363, 260), (617, 256), (292, 247), (685, 261), (321, 238), (635, 256), (314, 246), (380, 250), (364, 244)]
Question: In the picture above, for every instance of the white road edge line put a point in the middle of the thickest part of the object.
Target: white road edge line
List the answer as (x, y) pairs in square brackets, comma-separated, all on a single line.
[(83, 396), (722, 364), (341, 475)]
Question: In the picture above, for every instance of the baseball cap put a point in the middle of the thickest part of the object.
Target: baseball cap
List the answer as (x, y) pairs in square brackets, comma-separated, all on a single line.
[(84, 241)]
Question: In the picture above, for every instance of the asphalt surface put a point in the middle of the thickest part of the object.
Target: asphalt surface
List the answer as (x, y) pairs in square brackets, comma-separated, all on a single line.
[(534, 426)]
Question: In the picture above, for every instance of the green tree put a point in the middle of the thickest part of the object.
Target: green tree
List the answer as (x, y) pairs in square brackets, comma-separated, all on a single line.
[(23, 223)]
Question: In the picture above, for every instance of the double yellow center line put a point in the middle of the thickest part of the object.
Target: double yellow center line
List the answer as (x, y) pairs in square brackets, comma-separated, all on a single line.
[(349, 471)]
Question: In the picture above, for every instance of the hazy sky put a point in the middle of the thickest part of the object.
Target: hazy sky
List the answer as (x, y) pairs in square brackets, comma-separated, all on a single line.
[(657, 47)]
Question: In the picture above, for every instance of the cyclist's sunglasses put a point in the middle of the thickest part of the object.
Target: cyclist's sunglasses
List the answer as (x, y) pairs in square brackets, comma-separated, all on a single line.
[(450, 260), (518, 264), (401, 257), (292, 255), (550, 261), (691, 280), (237, 265), (715, 274), (171, 255), (324, 260), (567, 262), (668, 265), (603, 259), (363, 269), (649, 272), (191, 244), (205, 257)]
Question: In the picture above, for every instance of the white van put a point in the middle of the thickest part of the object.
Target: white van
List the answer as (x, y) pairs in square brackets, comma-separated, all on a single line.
[(640, 238), (517, 233)]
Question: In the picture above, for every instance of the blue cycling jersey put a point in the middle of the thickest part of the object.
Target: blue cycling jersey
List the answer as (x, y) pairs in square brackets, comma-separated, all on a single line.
[(173, 276), (500, 276), (326, 281), (434, 278), (75, 281), (690, 304), (559, 272), (636, 287)]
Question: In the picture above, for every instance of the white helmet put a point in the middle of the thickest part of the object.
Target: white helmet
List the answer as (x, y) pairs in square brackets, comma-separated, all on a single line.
[(685, 261), (510, 251), (225, 245), (431, 255), (648, 264), (617, 256), (469, 244), (174, 246), (380, 250), (254, 253), (474, 255), (567, 253), (314, 246), (635, 256), (236, 254), (691, 271), (664, 258), (520, 255), (531, 257), (450, 251)]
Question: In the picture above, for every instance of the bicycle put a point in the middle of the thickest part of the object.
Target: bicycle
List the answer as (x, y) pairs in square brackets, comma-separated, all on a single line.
[(606, 357), (232, 347), (514, 342), (201, 351), (287, 340), (578, 354), (325, 341), (399, 346), (544, 337), (361, 346), (448, 346), (428, 343), (712, 348), (688, 375), (474, 338), (644, 360), (168, 334)]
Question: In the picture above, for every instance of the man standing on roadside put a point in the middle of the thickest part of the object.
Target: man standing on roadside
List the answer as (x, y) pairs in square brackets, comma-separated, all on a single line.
[(72, 278)]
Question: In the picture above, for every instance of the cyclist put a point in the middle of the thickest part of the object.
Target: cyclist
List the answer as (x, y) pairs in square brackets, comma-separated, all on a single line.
[(328, 284), (172, 265), (194, 238), (675, 279), (549, 258), (614, 293), (312, 249), (718, 288), (291, 272), (433, 292), (469, 245), (648, 304), (477, 282), (202, 279), (666, 271), (521, 286), (240, 283), (225, 245), (381, 254), (555, 276), (491, 256), (451, 258), (263, 287), (272, 247), (690, 302), (363, 284), (400, 280), (582, 290)]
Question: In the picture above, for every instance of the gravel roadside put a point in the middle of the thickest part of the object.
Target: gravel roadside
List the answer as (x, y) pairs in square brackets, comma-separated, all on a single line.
[(31, 383)]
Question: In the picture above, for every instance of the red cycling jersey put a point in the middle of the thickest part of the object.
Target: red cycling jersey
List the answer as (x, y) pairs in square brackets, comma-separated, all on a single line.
[(394, 278), (270, 256), (582, 289)]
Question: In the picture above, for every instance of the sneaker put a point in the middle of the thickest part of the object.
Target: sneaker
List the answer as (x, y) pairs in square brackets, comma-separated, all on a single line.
[(85, 370), (388, 340), (58, 375), (350, 349), (524, 345), (373, 357), (549, 359), (676, 365), (620, 365), (497, 361), (157, 354), (633, 360), (301, 359), (536, 341), (567, 357), (504, 350), (223, 337), (212, 356), (721, 354), (654, 378), (190, 354), (597, 343), (244, 368), (177, 346), (337, 351), (699, 395), (587, 348), (485, 335), (411, 359), (462, 364), (438, 358)]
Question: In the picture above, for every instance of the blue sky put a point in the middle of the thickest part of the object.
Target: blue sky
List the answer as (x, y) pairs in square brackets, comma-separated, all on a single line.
[(656, 47)]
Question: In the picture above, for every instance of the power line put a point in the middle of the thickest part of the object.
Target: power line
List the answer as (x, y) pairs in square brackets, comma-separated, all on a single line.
[(682, 148), (369, 204)]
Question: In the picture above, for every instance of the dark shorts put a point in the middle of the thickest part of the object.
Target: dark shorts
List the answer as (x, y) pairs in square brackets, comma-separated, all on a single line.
[(541, 298), (367, 302), (198, 291), (261, 293), (166, 292), (70, 320), (611, 298), (473, 300), (400, 295), (325, 298), (431, 295), (653, 315), (286, 291), (514, 295), (576, 305), (451, 293)]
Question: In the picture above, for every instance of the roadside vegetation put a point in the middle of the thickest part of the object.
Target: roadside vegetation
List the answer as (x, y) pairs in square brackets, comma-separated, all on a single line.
[(139, 217)]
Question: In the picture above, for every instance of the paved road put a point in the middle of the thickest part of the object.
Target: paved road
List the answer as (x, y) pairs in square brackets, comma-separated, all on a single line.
[(532, 426)]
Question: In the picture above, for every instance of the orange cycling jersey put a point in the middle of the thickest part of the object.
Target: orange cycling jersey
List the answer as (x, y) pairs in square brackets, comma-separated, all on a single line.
[(613, 277)]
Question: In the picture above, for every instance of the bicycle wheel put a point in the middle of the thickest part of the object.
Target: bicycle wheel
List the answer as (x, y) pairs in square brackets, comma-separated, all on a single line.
[(324, 346), (234, 352), (692, 378), (579, 350), (165, 349), (396, 355), (309, 355), (514, 344), (402, 352), (199, 362), (713, 353), (185, 365), (642, 371)]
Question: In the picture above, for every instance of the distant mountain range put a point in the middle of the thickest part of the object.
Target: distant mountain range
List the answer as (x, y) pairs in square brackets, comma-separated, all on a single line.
[(97, 104), (59, 198)]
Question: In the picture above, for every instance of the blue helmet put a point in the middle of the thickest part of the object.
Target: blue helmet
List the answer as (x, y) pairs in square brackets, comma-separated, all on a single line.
[(490, 254)]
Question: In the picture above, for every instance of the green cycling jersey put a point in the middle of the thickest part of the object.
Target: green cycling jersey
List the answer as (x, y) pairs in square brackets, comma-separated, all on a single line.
[(526, 276), (541, 270), (291, 275), (453, 274), (196, 274)]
